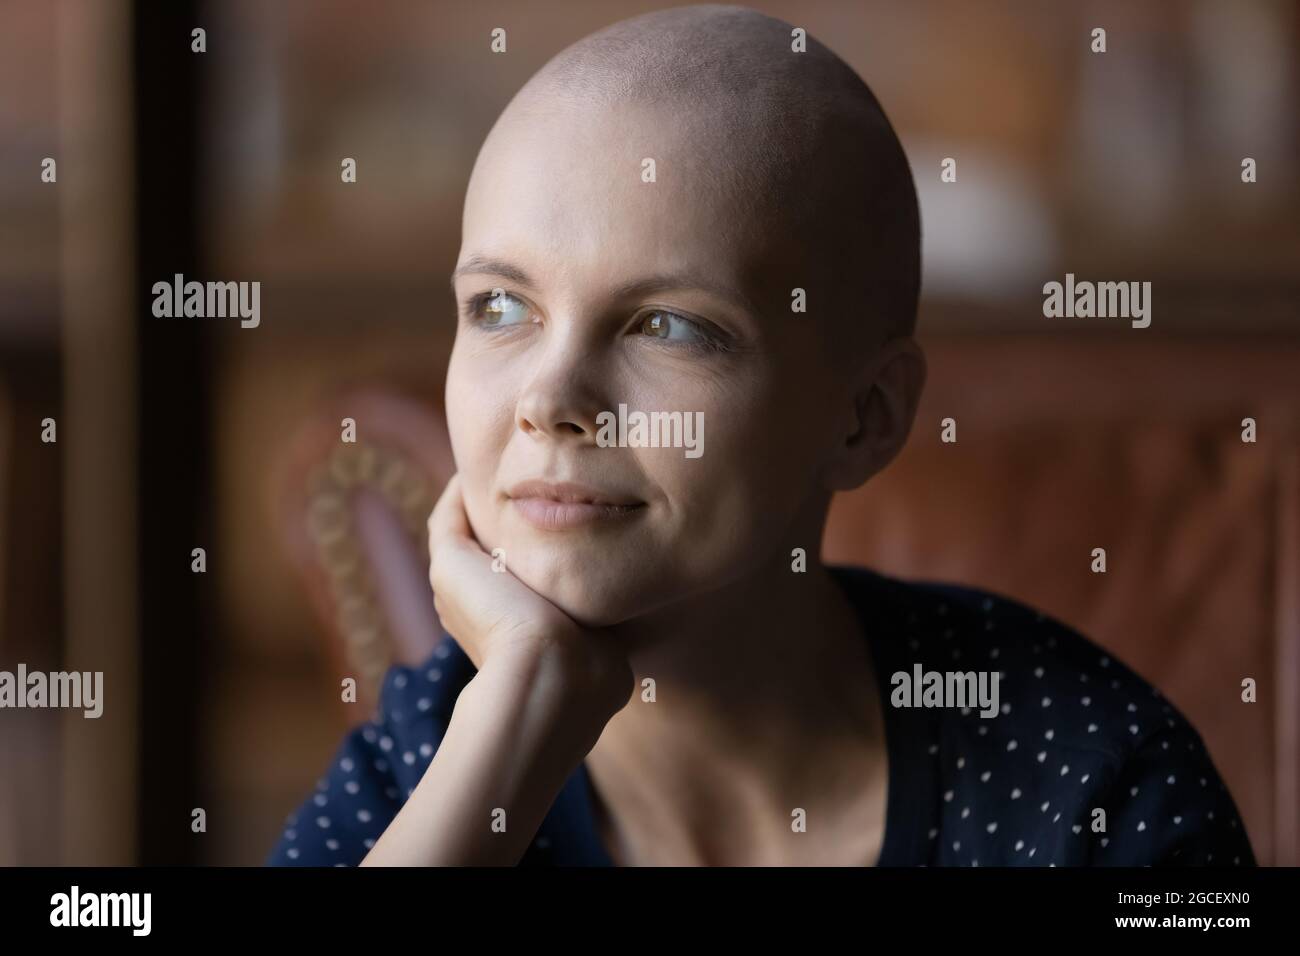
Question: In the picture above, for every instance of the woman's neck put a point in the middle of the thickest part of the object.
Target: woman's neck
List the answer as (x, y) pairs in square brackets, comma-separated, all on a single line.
[(753, 703)]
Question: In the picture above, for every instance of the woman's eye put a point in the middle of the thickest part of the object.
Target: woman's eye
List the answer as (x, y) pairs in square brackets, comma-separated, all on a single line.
[(672, 327), (497, 308)]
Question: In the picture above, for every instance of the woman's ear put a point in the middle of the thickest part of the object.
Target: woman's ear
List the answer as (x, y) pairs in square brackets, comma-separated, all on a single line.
[(883, 402)]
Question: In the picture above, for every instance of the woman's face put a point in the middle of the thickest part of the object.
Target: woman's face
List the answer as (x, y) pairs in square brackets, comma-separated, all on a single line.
[(581, 287)]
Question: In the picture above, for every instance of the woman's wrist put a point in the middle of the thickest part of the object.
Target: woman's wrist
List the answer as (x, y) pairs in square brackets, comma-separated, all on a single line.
[(558, 689)]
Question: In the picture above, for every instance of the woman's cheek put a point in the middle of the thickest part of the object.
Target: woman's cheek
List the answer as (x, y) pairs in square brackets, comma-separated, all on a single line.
[(476, 477), (712, 512)]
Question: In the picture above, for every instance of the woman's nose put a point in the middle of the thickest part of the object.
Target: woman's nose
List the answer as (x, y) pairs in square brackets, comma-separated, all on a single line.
[(560, 399)]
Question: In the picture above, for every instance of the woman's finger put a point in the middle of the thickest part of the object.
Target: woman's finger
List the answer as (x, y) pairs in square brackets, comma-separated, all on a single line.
[(448, 518)]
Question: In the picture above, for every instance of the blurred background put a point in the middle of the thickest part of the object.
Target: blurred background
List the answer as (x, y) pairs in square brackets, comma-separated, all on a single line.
[(222, 688)]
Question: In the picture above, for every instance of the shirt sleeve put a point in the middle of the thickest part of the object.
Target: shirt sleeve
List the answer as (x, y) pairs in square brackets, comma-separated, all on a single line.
[(375, 768), (1169, 807), (353, 804)]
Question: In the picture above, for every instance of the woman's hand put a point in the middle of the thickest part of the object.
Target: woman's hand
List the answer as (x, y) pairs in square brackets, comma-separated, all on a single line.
[(544, 690), (498, 620)]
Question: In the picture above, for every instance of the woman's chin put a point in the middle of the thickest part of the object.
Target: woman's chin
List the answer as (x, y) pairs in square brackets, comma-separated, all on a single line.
[(590, 605), (593, 599)]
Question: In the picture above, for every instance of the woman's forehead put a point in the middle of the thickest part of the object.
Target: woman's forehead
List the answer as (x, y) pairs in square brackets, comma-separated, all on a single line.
[(637, 205)]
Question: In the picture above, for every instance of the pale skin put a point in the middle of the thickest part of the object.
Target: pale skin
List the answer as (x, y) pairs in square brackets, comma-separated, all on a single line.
[(766, 699)]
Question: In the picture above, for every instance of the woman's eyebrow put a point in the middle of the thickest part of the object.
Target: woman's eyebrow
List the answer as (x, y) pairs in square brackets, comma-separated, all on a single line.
[(476, 264), (490, 265), (687, 280)]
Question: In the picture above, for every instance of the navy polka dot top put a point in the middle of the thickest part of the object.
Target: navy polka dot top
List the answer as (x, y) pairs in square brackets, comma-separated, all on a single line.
[(1084, 764)]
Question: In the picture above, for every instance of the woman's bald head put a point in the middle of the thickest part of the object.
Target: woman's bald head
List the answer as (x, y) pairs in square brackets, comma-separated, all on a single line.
[(795, 139)]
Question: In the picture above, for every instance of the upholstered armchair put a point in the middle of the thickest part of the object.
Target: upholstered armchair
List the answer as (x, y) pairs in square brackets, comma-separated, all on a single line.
[(353, 516)]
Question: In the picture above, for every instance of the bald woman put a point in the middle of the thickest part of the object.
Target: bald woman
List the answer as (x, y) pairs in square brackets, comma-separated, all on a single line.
[(645, 660)]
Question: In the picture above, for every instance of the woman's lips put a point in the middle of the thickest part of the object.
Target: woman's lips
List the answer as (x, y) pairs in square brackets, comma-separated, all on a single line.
[(560, 505), (547, 514)]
